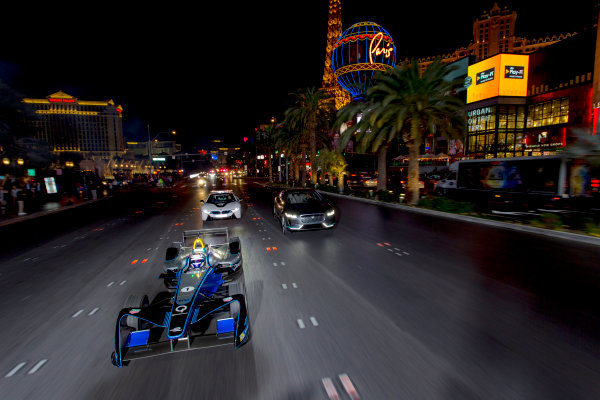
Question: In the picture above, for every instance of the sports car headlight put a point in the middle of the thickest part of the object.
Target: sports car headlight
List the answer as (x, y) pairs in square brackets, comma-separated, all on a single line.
[(205, 211), (291, 215), (235, 209), (330, 213)]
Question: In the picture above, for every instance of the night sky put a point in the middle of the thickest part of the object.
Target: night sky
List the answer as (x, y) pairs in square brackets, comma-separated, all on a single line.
[(217, 71)]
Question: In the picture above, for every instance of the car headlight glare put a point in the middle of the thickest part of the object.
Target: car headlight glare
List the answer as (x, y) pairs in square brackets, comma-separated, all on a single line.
[(291, 215), (235, 209), (330, 213), (206, 211)]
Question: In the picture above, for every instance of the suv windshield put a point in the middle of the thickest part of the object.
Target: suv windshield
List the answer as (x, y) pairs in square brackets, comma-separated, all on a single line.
[(220, 198), (302, 197)]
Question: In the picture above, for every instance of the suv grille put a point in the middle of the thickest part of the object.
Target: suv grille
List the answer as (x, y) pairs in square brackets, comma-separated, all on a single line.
[(312, 218)]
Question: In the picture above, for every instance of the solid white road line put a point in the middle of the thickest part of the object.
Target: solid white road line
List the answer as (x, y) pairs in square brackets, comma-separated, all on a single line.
[(330, 389), (15, 370), (301, 324), (76, 314), (37, 366), (314, 321), (348, 386)]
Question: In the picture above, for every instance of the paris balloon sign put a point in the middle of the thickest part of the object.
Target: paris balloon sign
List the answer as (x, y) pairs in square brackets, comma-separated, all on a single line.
[(361, 51)]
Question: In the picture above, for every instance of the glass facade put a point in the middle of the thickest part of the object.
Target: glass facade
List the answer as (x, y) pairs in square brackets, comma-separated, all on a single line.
[(502, 131)]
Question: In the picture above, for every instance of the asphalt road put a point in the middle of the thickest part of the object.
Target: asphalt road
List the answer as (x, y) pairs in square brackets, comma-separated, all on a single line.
[(398, 305)]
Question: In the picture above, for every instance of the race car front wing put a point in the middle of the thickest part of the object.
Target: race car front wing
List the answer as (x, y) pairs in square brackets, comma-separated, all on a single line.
[(211, 325)]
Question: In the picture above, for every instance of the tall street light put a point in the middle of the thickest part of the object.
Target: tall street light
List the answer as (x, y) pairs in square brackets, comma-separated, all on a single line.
[(150, 146)]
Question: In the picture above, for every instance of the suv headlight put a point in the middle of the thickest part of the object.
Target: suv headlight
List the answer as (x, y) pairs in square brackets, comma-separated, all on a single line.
[(330, 213), (291, 215)]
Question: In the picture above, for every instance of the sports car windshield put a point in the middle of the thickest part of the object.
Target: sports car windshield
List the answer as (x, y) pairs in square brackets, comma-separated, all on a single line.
[(220, 198), (302, 197)]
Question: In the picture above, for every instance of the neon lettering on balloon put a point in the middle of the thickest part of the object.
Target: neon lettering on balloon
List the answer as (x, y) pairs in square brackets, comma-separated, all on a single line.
[(376, 47)]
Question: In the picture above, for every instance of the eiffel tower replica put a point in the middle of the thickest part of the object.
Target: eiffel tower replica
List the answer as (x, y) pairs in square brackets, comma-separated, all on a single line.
[(334, 31)]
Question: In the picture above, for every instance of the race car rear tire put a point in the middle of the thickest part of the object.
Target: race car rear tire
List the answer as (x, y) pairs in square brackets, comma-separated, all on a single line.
[(136, 301)]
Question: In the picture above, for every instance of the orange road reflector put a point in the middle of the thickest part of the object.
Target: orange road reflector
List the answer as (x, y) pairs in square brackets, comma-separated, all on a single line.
[(134, 261), (387, 244), (274, 248), (144, 260), (268, 249)]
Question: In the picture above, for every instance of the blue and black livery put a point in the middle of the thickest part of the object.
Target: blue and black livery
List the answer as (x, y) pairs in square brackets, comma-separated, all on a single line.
[(205, 304)]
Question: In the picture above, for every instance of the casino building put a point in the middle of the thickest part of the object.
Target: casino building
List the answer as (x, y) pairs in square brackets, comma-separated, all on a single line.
[(530, 104), (67, 124)]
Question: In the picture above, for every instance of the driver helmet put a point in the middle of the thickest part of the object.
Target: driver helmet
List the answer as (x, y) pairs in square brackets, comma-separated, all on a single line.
[(197, 261)]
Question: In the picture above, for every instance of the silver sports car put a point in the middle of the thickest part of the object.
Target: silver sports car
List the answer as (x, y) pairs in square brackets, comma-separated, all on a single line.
[(221, 204)]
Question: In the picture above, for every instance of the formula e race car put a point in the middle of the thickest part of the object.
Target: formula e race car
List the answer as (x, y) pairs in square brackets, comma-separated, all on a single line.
[(204, 304)]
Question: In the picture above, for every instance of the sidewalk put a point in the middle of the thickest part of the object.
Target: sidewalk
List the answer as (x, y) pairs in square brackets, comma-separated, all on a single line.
[(467, 218)]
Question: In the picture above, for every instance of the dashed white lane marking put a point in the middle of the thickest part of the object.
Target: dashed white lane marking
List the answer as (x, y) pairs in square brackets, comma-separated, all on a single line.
[(294, 285), (397, 249), (274, 264), (60, 246), (122, 283), (398, 254), (284, 286), (301, 324), (314, 321), (37, 366), (348, 386), (110, 284), (283, 264), (76, 314), (15, 370), (406, 253), (330, 389), (390, 250), (94, 311)]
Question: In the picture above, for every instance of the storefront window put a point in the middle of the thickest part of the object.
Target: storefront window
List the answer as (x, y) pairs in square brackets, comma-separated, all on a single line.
[(548, 113), (506, 141)]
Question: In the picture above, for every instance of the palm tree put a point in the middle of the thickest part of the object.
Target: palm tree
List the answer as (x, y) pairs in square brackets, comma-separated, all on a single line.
[(312, 112), (368, 133), (294, 145), (268, 134), (407, 104)]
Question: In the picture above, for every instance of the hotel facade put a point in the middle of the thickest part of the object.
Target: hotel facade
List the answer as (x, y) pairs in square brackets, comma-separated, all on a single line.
[(67, 124)]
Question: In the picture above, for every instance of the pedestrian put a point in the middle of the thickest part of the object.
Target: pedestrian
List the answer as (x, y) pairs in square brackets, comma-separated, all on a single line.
[(14, 192), (93, 189)]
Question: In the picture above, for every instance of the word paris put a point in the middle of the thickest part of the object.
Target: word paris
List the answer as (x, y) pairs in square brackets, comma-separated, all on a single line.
[(377, 48)]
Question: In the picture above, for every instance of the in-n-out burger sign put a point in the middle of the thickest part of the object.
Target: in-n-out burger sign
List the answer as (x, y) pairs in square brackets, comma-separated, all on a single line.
[(485, 76), (376, 47)]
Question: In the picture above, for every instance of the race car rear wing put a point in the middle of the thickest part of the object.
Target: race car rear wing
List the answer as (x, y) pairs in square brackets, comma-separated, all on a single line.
[(213, 236), (210, 326)]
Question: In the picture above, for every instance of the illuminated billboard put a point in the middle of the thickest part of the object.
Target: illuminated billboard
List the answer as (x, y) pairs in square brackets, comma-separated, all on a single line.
[(501, 75)]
